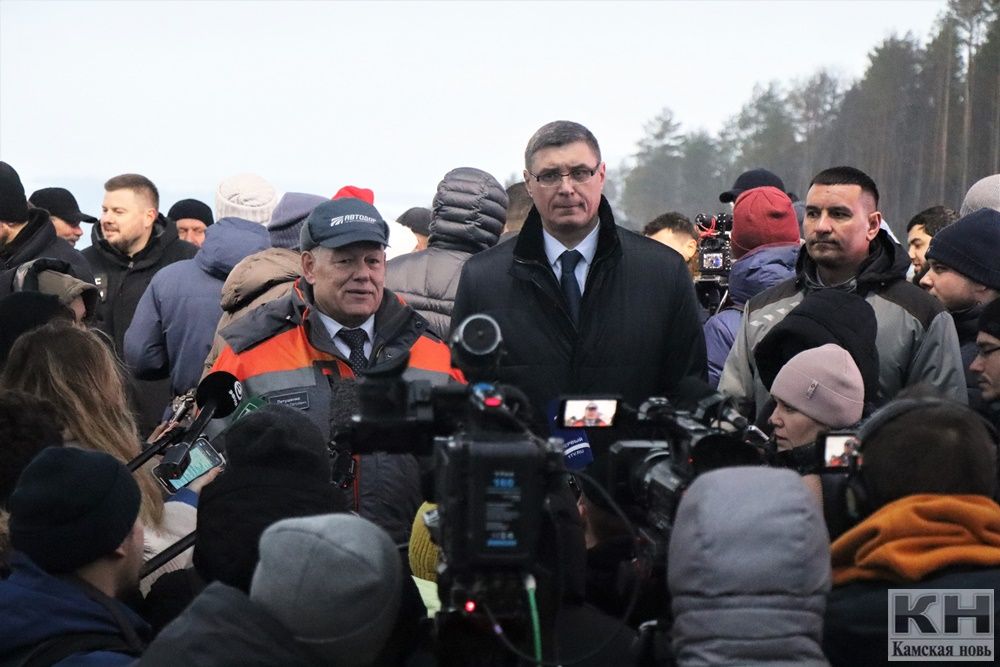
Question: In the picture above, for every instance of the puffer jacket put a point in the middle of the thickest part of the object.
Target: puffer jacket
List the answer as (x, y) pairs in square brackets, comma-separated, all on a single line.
[(916, 339), (748, 571), (260, 278), (174, 323), (751, 274), (470, 209)]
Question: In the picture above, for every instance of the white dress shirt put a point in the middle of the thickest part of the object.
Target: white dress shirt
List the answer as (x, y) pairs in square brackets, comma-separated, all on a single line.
[(587, 247), (333, 327)]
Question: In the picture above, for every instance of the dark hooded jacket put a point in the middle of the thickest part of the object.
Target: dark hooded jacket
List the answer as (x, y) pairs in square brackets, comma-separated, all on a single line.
[(470, 208), (123, 279), (638, 332), (38, 239), (967, 325), (916, 337), (752, 274), (749, 570), (223, 626), (36, 607), (174, 323)]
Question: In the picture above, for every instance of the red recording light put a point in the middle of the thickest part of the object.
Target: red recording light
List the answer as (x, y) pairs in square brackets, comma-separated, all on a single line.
[(493, 402), (470, 606)]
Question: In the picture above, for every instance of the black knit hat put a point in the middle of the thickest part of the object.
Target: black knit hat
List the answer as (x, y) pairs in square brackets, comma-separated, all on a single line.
[(13, 203), (971, 246), (989, 319), (191, 208), (278, 468), (825, 316), (72, 506)]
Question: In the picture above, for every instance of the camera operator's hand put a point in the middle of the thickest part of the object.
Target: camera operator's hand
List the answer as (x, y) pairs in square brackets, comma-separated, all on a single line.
[(200, 483)]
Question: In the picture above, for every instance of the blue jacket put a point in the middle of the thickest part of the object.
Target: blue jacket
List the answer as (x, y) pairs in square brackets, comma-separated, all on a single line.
[(36, 607), (174, 323), (751, 274)]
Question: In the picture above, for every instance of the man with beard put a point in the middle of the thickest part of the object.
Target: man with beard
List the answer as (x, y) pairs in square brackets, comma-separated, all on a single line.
[(847, 249), (131, 244)]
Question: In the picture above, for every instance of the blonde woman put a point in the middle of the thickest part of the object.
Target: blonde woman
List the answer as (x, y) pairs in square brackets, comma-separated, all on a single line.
[(76, 371)]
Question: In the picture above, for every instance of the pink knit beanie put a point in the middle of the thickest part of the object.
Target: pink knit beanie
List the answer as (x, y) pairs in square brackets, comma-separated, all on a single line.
[(823, 383)]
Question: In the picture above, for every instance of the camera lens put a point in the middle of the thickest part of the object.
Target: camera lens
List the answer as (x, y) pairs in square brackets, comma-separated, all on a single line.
[(478, 335)]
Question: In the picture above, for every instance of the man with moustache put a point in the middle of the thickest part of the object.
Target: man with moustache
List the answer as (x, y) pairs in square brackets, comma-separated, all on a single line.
[(132, 242), (846, 249)]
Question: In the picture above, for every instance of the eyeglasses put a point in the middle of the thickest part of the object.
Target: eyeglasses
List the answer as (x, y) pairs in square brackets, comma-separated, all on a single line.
[(550, 179)]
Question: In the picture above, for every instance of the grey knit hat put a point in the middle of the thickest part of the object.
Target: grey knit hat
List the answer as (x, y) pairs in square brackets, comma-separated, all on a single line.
[(971, 246), (245, 196), (824, 384), (334, 581), (984, 193), (289, 214)]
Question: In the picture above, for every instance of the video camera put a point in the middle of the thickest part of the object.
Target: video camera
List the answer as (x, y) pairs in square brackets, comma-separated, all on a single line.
[(715, 259)]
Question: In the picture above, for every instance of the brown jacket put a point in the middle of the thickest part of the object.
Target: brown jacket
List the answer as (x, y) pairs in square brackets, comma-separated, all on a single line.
[(256, 280)]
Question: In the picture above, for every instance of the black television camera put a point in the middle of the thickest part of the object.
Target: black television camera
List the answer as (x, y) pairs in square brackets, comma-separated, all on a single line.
[(491, 479), (715, 259)]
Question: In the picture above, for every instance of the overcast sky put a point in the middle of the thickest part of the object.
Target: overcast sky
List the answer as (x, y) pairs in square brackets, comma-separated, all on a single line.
[(387, 95)]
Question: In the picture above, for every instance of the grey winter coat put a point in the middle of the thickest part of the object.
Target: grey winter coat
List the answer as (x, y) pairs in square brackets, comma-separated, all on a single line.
[(916, 339), (470, 209), (749, 571)]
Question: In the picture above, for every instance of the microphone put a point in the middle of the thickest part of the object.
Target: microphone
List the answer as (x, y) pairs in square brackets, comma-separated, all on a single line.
[(218, 395), (706, 404)]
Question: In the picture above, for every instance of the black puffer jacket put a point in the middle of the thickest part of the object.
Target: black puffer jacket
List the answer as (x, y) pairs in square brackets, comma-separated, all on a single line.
[(470, 208), (123, 279), (38, 239)]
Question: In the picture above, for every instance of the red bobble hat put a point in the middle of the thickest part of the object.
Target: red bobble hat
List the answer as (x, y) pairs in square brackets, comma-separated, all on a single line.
[(763, 216)]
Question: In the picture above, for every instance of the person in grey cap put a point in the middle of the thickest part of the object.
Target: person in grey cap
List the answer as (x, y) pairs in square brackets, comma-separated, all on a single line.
[(337, 606), (337, 322), (64, 212)]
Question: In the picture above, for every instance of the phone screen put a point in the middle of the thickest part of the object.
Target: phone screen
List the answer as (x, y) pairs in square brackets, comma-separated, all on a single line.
[(588, 413), (838, 449), (203, 459)]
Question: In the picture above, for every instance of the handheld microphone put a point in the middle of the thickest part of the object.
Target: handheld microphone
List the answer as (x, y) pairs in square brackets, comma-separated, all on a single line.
[(218, 395)]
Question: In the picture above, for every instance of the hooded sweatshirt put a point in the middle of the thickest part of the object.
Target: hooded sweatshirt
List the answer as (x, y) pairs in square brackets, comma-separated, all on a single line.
[(748, 570), (175, 320)]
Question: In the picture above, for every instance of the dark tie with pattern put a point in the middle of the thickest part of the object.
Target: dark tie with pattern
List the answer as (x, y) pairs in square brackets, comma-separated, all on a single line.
[(568, 283), (355, 339)]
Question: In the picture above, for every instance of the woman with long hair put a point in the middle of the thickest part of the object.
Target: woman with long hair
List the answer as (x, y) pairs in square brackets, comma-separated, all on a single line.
[(76, 371)]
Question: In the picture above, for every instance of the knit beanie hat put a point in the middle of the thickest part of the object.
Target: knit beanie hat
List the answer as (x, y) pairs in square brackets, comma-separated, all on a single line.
[(334, 581), (823, 383), (289, 214), (423, 553), (246, 196), (824, 316), (989, 319), (417, 219), (277, 468), (971, 246), (354, 192), (763, 216), (70, 507), (13, 203), (193, 209), (984, 193)]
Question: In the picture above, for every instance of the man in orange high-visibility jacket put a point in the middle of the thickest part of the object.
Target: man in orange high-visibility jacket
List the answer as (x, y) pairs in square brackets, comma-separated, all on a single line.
[(338, 320)]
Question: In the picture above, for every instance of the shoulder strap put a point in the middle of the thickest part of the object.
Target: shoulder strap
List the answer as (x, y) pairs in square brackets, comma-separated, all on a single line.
[(57, 649)]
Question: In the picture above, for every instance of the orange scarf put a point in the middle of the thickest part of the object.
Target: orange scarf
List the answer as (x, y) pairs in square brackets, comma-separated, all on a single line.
[(914, 536)]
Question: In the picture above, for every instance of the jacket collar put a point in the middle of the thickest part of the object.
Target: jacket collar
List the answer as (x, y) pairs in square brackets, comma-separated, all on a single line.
[(886, 263), (530, 245), (36, 234), (164, 233)]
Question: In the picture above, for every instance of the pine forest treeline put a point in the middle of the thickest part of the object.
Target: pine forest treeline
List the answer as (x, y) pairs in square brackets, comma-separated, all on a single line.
[(924, 121)]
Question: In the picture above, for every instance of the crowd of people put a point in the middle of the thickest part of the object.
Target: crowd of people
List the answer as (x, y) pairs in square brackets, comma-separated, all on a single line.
[(304, 554)]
